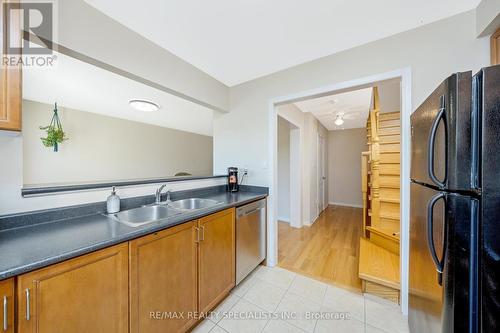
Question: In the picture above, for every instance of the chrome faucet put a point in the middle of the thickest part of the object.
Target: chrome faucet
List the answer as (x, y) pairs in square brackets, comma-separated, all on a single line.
[(158, 194)]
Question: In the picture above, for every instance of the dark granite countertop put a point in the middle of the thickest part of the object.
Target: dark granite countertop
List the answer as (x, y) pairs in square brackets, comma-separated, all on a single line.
[(29, 247)]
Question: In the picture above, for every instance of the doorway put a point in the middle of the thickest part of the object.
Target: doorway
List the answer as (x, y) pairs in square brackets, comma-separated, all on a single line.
[(405, 76)]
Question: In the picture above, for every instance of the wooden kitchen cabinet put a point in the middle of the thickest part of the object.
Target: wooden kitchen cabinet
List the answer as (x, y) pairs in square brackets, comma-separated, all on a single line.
[(7, 299), (164, 280), (81, 295), (216, 263), (10, 78)]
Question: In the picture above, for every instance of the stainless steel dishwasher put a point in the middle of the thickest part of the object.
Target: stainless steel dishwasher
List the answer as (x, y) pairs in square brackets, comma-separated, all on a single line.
[(250, 237)]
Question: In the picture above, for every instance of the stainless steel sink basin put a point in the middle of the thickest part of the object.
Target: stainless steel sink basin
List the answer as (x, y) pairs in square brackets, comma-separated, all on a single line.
[(143, 215), (193, 203)]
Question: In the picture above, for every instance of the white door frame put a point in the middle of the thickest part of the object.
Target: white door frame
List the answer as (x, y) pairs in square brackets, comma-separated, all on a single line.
[(320, 173), (404, 75)]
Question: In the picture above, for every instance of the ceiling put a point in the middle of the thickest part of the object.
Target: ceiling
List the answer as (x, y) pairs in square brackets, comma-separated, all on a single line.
[(81, 86), (353, 105), (239, 40)]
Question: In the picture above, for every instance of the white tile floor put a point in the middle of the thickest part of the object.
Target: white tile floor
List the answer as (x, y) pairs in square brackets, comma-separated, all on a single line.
[(274, 300)]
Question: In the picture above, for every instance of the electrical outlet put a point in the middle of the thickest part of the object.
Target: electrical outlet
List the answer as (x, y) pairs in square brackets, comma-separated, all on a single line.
[(245, 171)]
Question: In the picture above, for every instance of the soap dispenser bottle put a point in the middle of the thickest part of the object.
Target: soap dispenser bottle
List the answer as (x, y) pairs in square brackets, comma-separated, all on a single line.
[(113, 202)]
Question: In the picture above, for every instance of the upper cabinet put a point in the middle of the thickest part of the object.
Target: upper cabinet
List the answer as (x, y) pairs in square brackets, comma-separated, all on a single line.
[(81, 295), (10, 80), (495, 48)]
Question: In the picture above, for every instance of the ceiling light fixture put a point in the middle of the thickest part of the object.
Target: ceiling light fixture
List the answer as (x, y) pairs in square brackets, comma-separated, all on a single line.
[(143, 105), (339, 120)]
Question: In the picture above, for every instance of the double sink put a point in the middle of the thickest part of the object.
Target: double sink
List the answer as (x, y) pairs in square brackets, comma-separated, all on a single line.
[(156, 212)]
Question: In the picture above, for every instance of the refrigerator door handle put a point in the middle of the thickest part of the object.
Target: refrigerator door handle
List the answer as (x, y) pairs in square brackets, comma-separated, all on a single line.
[(430, 236), (432, 138)]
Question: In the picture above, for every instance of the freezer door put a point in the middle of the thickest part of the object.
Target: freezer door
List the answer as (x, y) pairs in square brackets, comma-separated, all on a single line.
[(487, 103), (440, 136), (442, 261)]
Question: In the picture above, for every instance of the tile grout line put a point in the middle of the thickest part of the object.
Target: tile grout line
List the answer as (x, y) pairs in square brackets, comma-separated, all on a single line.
[(274, 285), (364, 311), (292, 293), (322, 305), (286, 291)]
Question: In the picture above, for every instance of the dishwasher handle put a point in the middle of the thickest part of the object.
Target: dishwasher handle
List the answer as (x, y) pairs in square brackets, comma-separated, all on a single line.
[(250, 208)]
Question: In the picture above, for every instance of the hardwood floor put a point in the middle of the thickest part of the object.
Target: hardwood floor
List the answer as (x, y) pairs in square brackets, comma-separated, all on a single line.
[(328, 250)]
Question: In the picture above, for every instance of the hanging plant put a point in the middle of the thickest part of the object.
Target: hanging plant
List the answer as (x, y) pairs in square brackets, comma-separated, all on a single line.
[(55, 133)]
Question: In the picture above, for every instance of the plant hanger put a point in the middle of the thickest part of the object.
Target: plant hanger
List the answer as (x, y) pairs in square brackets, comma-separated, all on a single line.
[(55, 133)]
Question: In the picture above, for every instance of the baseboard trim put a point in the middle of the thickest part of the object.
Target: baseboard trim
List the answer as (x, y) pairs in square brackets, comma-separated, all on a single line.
[(284, 219), (345, 204)]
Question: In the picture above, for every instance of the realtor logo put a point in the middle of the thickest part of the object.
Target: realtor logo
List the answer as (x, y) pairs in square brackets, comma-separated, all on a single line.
[(29, 33)]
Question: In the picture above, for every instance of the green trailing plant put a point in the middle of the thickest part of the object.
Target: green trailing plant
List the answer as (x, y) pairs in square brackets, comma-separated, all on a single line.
[(54, 132), (182, 173)]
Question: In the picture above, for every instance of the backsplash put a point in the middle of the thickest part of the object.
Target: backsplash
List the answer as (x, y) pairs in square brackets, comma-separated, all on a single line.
[(54, 214)]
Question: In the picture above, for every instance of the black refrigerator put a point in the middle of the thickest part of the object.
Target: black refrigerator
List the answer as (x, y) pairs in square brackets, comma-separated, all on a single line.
[(454, 277)]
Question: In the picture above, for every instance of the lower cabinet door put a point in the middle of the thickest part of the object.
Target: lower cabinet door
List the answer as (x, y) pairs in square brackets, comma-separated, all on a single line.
[(81, 295), (217, 253), (163, 281), (7, 299)]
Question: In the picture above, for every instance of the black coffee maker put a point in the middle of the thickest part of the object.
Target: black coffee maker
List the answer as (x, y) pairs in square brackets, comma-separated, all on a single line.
[(232, 179)]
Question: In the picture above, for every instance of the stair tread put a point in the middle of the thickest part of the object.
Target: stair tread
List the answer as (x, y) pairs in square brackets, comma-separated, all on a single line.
[(385, 232), (378, 265), (389, 142), (390, 216), (388, 126), (386, 116), (392, 200)]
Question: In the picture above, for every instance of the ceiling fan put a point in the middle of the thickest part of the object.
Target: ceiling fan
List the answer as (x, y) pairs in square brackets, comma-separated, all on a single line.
[(340, 117)]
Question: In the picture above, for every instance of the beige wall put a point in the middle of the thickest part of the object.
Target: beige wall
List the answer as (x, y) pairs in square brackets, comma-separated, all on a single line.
[(432, 52), (104, 148), (344, 166)]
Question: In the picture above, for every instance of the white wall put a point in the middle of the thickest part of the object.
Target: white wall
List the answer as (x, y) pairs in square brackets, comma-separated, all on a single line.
[(309, 128), (344, 166), (283, 170), (432, 52), (102, 148), (84, 29), (487, 17)]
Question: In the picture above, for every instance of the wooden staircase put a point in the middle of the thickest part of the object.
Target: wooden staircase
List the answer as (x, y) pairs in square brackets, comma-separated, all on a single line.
[(379, 249)]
